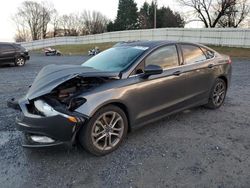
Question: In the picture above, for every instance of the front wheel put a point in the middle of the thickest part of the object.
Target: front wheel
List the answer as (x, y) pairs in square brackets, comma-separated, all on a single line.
[(105, 131), (217, 95), (20, 61)]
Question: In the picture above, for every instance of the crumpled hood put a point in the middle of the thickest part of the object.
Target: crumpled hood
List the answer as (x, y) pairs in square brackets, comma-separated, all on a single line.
[(53, 75)]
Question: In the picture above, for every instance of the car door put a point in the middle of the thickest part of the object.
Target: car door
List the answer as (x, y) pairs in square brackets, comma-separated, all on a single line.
[(158, 95), (7, 52), (198, 73)]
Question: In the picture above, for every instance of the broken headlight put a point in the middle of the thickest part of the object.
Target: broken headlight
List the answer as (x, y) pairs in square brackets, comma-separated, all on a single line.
[(49, 111), (45, 109)]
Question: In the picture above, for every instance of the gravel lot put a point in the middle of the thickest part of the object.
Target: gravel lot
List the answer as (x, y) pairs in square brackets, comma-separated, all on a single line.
[(195, 148)]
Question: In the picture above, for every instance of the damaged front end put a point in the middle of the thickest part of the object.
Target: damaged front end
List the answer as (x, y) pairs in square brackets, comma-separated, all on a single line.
[(48, 115)]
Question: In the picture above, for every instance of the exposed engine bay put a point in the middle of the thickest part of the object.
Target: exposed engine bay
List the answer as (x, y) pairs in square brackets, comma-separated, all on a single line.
[(65, 96)]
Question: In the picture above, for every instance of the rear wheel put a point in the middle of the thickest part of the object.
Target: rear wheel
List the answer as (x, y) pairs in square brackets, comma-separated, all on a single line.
[(20, 61), (105, 131), (217, 95)]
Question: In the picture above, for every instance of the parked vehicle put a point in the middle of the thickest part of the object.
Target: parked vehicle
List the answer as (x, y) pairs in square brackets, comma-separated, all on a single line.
[(127, 86), (13, 53), (94, 51), (51, 52)]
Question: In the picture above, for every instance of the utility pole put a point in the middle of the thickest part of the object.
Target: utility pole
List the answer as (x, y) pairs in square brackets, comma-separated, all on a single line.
[(155, 9)]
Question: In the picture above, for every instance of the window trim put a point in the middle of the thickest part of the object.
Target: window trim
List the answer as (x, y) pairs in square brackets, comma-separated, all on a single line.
[(152, 51), (204, 48)]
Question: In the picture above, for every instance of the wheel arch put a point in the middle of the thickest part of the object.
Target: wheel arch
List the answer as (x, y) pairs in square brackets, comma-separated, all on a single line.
[(125, 110), (224, 78), (119, 104)]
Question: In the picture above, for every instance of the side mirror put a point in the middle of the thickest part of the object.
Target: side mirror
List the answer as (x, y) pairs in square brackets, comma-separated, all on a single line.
[(152, 70)]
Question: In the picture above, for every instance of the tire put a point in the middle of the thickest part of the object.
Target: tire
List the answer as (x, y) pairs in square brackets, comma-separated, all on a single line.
[(217, 94), (20, 61), (95, 133)]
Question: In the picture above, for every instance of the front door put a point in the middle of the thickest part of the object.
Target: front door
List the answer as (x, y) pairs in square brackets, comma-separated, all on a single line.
[(161, 94)]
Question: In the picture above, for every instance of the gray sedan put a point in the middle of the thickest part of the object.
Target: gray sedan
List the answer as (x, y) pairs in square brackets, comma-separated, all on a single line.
[(129, 85)]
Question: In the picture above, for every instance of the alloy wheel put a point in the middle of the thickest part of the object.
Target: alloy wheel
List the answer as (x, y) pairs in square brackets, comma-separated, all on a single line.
[(219, 93), (107, 130), (20, 61)]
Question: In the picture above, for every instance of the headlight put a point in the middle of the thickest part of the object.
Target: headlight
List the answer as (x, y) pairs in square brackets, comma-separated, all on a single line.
[(48, 111)]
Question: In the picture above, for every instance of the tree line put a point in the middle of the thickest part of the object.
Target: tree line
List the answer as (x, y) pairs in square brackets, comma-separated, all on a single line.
[(128, 17), (36, 20)]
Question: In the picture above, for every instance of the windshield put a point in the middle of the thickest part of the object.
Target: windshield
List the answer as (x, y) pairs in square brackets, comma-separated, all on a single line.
[(115, 59)]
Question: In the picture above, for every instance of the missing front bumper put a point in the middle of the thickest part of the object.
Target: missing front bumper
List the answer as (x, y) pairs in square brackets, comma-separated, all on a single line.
[(55, 127), (58, 127)]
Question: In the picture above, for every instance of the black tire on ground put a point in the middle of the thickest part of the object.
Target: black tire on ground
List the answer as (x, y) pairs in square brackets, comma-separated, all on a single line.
[(217, 94), (20, 61), (86, 133)]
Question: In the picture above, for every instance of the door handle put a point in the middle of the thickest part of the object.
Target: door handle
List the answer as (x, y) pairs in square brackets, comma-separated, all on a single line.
[(210, 66), (177, 73)]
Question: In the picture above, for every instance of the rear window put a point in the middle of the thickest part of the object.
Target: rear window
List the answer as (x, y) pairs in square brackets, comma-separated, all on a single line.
[(192, 54), (208, 53)]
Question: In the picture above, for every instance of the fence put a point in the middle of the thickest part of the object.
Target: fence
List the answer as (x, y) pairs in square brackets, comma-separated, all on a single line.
[(214, 36)]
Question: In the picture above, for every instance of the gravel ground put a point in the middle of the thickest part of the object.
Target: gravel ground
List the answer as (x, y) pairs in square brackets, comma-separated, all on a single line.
[(195, 148)]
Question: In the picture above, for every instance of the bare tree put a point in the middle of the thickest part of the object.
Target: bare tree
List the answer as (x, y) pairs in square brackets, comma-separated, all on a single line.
[(30, 12), (36, 17), (22, 31), (236, 14), (70, 24), (211, 12), (94, 22), (47, 10), (55, 22)]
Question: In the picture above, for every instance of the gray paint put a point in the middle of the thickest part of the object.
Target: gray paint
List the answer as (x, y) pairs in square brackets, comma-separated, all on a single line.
[(144, 99)]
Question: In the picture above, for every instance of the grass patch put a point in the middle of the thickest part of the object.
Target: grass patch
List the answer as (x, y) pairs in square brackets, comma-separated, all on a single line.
[(82, 49), (232, 51)]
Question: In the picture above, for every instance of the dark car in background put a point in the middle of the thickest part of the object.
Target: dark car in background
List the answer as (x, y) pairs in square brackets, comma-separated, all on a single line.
[(13, 53), (126, 86)]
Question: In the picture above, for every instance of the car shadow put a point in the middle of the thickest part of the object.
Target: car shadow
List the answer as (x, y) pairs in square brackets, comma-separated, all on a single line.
[(7, 65), (71, 151)]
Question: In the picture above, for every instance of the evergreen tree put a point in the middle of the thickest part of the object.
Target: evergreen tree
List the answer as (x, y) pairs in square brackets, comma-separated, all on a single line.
[(145, 21), (165, 17), (127, 15)]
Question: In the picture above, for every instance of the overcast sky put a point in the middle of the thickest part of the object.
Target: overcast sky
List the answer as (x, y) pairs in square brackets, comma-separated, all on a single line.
[(107, 7)]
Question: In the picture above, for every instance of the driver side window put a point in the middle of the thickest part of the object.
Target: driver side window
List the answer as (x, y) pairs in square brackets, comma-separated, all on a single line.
[(165, 57)]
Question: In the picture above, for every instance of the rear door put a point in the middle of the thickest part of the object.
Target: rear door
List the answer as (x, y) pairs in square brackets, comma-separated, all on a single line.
[(7, 52), (197, 70)]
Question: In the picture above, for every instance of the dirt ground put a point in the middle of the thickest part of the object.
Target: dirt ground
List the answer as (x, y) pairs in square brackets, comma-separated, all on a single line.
[(194, 148)]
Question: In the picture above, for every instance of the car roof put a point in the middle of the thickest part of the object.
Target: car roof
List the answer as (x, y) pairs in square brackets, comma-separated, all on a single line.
[(149, 44), (155, 43), (7, 43)]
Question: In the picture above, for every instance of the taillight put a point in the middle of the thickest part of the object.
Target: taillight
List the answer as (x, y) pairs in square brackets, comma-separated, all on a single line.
[(229, 60)]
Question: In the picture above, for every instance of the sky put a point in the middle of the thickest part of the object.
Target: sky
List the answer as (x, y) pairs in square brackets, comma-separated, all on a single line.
[(106, 7)]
